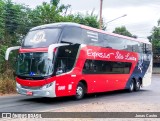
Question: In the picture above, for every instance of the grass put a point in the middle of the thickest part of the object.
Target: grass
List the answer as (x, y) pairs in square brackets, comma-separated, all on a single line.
[(7, 86), (7, 83)]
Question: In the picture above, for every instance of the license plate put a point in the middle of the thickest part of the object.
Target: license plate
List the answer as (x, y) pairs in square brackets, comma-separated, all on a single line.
[(29, 93)]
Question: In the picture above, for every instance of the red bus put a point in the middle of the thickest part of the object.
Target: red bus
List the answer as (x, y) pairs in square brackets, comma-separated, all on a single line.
[(66, 59)]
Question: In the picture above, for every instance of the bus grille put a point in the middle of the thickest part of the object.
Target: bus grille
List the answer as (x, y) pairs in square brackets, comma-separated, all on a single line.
[(33, 88)]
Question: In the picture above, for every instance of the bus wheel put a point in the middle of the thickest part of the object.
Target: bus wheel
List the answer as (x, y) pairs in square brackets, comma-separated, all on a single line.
[(137, 85), (80, 91), (131, 86)]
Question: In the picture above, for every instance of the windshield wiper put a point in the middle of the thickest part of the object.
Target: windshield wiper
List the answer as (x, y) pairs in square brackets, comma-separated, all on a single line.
[(24, 73)]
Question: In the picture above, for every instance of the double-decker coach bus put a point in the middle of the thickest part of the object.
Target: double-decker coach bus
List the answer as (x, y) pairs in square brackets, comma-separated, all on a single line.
[(66, 59)]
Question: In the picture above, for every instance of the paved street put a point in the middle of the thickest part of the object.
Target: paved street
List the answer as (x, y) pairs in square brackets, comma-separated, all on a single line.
[(147, 99)]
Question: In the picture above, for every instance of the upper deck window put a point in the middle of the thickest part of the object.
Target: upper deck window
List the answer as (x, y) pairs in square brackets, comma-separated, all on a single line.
[(41, 38), (72, 35)]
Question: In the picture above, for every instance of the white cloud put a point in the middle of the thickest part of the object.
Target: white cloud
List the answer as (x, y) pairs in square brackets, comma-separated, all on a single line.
[(31, 3), (139, 20), (142, 15)]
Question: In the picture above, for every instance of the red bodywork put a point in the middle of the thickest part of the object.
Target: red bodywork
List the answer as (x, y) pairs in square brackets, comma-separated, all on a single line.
[(66, 83)]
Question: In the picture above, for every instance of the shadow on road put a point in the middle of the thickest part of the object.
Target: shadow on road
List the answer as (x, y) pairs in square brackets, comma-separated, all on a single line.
[(89, 97)]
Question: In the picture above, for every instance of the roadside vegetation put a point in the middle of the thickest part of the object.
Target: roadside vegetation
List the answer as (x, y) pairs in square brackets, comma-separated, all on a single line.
[(7, 85), (17, 19)]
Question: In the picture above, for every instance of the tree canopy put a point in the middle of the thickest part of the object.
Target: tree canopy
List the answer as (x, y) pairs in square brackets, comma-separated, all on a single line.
[(123, 31), (155, 36)]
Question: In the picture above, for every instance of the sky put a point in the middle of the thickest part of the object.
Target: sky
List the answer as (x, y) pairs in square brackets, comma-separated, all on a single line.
[(142, 15)]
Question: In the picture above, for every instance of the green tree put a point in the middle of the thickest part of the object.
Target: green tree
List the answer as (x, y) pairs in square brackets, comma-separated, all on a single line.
[(2, 21), (12, 21), (123, 31), (154, 38), (85, 19), (49, 13), (10, 17)]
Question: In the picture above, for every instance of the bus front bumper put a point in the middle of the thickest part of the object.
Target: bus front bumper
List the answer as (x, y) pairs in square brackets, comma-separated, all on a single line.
[(44, 91)]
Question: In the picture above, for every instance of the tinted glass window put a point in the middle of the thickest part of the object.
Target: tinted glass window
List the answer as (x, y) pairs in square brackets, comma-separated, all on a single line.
[(34, 65), (115, 42), (140, 46), (110, 41), (101, 42), (106, 67), (66, 57), (144, 48), (91, 37), (72, 35), (133, 46), (41, 38), (148, 49)]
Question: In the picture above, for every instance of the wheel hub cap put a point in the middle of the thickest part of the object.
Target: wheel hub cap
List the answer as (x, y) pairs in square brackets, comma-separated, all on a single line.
[(79, 91)]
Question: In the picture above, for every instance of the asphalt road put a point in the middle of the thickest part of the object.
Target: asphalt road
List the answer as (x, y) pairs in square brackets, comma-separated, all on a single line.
[(21, 103)]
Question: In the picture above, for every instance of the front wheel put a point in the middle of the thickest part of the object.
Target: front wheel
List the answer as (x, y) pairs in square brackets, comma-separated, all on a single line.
[(80, 91)]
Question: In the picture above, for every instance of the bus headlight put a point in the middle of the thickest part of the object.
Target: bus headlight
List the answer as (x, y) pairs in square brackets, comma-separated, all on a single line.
[(18, 85), (47, 93)]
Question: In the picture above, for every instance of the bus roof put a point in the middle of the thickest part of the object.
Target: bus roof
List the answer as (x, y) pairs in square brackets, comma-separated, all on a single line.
[(62, 24), (113, 34)]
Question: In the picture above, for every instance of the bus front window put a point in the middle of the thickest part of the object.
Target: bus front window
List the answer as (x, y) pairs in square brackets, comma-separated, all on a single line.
[(41, 38), (34, 65)]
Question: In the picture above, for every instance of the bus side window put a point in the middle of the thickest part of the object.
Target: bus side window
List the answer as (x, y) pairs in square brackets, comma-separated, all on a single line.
[(148, 49), (144, 48), (72, 35), (106, 67), (105, 41), (66, 57), (135, 47), (88, 67), (116, 42), (60, 66), (140, 46), (90, 37), (132, 46)]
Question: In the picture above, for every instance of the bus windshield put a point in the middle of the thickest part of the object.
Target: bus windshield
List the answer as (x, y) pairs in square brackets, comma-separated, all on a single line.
[(41, 38), (34, 65)]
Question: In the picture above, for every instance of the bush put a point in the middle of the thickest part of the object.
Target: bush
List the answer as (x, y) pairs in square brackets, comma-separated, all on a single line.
[(7, 84)]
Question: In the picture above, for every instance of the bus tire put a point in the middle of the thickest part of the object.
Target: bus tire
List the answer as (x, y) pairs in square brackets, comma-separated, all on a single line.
[(137, 85), (131, 86), (80, 91)]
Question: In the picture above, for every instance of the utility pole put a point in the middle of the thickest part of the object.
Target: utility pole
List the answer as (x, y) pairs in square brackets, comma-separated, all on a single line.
[(100, 20)]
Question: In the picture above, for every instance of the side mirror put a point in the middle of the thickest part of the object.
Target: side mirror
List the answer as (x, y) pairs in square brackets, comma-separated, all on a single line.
[(52, 47), (9, 50)]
